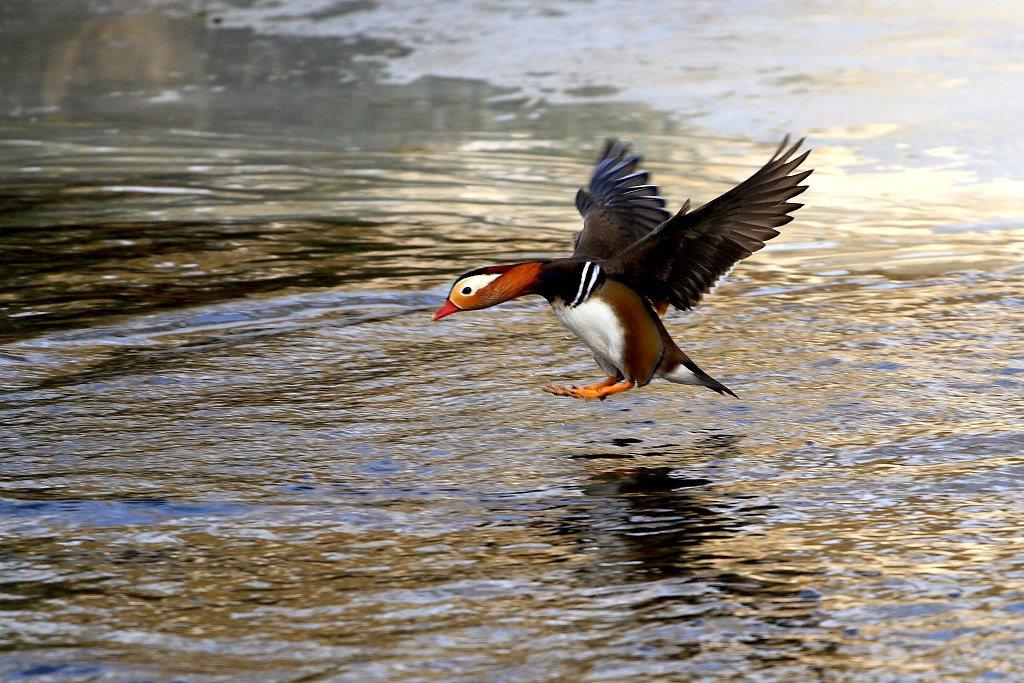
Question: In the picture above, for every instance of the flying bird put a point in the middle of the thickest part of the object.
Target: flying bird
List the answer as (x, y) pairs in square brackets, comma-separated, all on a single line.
[(633, 258)]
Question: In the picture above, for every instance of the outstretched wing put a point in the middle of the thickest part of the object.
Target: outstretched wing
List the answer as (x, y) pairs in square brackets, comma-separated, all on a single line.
[(684, 257), (618, 207)]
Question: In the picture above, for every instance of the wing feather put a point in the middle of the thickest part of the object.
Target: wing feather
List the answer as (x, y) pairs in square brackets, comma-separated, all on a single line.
[(683, 257), (619, 206)]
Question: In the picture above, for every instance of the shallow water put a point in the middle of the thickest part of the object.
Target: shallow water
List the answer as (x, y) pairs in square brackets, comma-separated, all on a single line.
[(234, 446)]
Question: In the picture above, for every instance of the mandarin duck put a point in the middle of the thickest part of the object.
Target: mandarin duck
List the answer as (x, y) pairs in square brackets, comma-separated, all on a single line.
[(633, 258)]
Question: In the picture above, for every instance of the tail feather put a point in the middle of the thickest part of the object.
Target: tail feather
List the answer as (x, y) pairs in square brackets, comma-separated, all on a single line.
[(720, 388), (688, 372), (707, 380)]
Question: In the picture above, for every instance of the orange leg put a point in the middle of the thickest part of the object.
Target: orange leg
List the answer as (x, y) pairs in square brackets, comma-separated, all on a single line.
[(607, 382), (568, 391), (600, 390)]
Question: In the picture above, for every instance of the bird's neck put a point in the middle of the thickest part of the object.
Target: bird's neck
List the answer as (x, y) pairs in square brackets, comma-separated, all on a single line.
[(568, 281)]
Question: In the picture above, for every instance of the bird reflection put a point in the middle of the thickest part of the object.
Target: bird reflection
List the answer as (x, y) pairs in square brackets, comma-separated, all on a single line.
[(668, 520), (678, 550), (655, 519)]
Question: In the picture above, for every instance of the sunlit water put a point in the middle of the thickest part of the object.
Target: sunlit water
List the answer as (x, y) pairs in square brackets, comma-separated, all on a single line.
[(234, 447)]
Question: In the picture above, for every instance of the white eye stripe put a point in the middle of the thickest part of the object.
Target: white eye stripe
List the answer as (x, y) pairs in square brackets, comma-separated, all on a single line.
[(588, 278), (474, 283)]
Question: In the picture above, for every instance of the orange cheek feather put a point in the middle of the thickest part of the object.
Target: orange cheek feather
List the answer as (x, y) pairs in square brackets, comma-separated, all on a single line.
[(519, 280)]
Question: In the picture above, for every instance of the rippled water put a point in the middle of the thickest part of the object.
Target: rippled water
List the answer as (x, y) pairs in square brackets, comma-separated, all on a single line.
[(234, 447)]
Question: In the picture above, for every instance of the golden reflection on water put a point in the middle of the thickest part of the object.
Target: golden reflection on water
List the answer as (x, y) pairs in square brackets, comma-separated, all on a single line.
[(307, 477)]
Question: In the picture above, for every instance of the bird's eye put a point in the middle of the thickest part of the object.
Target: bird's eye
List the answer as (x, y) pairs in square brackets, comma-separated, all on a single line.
[(466, 291)]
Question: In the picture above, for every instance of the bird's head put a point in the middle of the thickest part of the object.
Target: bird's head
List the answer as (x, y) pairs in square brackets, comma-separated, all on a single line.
[(489, 286)]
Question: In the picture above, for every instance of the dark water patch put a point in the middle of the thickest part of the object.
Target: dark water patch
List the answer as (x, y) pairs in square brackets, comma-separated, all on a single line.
[(58, 672), (82, 664), (97, 273), (602, 456), (115, 512)]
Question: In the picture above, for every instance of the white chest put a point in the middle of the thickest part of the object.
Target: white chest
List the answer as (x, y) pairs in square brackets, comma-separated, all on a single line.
[(597, 326)]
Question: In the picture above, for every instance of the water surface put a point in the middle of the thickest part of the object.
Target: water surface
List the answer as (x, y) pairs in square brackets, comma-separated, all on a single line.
[(234, 447)]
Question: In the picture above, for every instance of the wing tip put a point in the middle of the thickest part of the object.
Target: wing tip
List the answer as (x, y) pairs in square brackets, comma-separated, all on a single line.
[(784, 151)]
